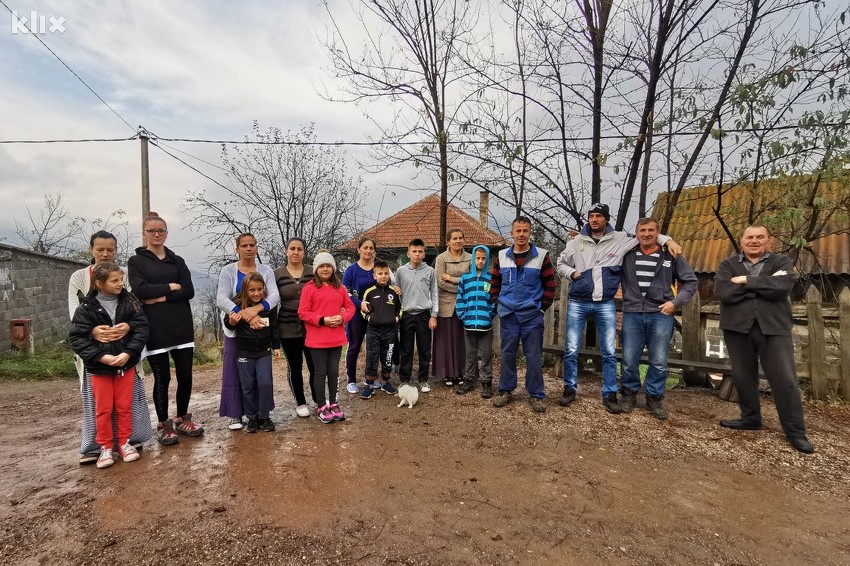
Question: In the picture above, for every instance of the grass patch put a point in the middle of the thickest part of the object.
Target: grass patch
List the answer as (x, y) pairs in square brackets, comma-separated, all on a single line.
[(45, 364), (672, 379)]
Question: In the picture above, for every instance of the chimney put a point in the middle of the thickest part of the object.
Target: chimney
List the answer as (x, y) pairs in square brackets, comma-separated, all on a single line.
[(484, 208)]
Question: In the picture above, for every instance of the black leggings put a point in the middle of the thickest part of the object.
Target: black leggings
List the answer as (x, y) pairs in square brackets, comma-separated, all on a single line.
[(326, 361), (162, 377), (295, 352)]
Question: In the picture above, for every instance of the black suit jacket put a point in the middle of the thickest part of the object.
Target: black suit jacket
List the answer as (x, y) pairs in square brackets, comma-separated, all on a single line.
[(764, 298)]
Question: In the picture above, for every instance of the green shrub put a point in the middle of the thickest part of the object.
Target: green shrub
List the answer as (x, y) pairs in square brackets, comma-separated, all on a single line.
[(46, 363)]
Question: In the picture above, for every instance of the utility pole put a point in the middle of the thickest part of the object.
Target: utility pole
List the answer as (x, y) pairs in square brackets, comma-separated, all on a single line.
[(146, 185)]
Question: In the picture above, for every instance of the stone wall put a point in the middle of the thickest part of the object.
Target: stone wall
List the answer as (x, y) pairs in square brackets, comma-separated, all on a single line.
[(34, 286)]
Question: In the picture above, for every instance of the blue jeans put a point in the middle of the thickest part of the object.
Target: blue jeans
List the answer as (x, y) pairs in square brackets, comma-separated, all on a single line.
[(531, 334), (605, 315), (255, 379), (653, 330)]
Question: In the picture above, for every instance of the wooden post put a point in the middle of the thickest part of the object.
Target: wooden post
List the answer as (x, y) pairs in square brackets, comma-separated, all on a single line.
[(817, 350), (692, 341), (561, 319), (549, 322), (146, 184), (844, 341)]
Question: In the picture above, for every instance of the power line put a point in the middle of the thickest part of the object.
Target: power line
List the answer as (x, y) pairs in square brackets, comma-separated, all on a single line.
[(193, 168), (36, 36), (655, 134), (393, 143), (153, 137), (99, 140)]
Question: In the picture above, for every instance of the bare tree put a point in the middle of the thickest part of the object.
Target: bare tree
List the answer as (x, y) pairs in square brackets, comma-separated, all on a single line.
[(280, 185), (54, 230), (409, 58)]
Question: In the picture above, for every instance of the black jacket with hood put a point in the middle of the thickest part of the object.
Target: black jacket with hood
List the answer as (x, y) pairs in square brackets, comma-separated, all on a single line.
[(91, 313)]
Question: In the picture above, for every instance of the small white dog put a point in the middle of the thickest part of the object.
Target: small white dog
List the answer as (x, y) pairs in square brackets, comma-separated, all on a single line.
[(408, 394)]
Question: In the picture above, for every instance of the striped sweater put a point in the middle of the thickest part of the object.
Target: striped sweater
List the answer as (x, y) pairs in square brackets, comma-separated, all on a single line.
[(474, 306)]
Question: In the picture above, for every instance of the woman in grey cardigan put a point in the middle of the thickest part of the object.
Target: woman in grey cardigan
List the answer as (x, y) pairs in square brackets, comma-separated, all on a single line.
[(449, 356), (103, 247), (229, 285)]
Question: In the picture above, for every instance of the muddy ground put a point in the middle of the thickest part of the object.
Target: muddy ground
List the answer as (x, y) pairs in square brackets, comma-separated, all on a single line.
[(453, 481)]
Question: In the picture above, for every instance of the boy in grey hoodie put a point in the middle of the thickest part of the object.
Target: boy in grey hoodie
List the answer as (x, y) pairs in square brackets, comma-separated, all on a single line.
[(418, 283)]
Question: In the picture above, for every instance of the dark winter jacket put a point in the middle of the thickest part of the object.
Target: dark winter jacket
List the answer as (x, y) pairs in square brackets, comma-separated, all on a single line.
[(384, 306), (523, 291), (170, 322), (252, 343), (89, 314), (669, 271), (474, 307), (764, 299)]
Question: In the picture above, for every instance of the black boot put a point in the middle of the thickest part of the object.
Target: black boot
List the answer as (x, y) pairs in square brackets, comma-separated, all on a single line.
[(465, 387), (610, 402), (655, 406), (486, 389), (628, 399), (568, 396)]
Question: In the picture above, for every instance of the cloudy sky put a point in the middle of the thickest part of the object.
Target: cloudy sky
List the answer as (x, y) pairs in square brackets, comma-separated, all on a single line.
[(179, 69)]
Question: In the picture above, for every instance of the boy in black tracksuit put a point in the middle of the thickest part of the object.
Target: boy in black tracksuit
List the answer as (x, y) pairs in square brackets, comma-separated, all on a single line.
[(382, 314)]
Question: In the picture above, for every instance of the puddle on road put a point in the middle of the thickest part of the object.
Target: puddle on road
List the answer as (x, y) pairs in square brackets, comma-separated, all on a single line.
[(288, 477)]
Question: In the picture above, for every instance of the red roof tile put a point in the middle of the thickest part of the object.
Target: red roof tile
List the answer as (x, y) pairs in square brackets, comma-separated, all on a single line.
[(422, 220)]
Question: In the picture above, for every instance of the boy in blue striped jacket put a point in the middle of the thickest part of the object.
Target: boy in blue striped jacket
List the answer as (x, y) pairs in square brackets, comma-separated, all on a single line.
[(476, 310)]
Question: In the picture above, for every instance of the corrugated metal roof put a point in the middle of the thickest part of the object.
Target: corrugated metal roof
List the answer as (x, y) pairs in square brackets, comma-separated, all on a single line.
[(705, 243), (422, 220)]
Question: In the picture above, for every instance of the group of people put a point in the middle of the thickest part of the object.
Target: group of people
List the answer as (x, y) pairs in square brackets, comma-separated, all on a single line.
[(310, 314), (753, 287)]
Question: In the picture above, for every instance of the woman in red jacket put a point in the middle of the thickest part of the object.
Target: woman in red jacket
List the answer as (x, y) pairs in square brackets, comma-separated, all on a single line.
[(325, 307)]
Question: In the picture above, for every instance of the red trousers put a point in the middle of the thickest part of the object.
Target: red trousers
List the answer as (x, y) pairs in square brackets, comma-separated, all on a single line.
[(113, 392)]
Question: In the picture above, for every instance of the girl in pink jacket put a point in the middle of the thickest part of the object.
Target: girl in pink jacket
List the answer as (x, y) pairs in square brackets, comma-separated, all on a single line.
[(325, 307)]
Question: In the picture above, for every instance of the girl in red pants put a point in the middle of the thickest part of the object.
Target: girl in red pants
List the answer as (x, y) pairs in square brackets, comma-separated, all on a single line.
[(111, 365)]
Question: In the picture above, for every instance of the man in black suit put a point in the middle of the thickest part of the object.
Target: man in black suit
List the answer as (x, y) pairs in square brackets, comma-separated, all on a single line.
[(755, 315)]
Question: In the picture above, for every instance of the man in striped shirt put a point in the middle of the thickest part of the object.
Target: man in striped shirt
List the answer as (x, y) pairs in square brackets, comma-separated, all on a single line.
[(654, 284)]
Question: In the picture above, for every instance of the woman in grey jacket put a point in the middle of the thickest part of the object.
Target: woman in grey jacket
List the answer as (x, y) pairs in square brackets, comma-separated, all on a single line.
[(229, 286)]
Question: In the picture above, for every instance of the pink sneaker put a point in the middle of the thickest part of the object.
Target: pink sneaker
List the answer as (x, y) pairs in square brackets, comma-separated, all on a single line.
[(185, 425), (325, 415), (128, 453), (337, 413)]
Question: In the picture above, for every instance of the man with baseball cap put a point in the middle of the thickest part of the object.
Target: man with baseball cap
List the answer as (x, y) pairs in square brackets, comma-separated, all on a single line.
[(591, 261)]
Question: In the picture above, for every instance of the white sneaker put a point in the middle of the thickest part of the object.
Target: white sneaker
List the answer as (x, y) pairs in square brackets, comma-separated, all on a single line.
[(105, 460), (302, 411), (352, 388), (424, 387), (235, 424)]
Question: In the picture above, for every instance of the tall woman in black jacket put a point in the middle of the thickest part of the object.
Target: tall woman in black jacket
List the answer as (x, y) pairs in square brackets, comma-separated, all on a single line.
[(161, 280)]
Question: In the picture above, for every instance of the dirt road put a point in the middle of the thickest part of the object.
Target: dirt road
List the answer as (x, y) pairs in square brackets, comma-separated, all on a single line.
[(452, 481)]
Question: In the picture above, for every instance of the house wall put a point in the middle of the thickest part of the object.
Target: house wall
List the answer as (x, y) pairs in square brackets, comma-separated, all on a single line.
[(34, 286)]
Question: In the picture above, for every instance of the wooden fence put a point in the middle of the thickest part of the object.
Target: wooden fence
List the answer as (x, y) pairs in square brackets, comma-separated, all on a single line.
[(822, 342)]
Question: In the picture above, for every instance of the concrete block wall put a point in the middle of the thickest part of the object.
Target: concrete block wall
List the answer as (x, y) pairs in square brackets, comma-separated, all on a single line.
[(34, 286)]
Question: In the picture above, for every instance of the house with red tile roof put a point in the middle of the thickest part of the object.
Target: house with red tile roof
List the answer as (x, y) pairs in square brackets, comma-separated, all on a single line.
[(422, 220)]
